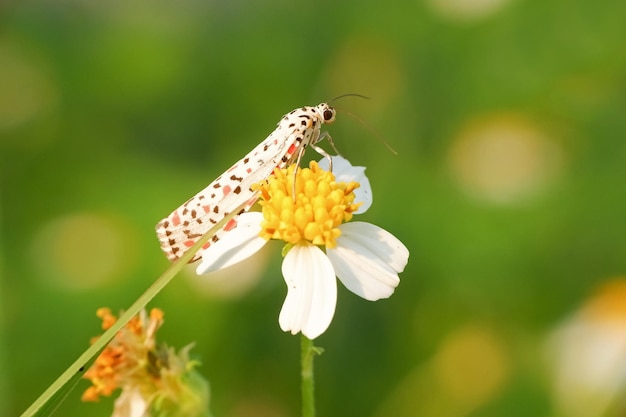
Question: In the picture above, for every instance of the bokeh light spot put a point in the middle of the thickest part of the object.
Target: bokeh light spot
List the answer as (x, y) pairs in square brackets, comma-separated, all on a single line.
[(26, 89), (82, 251), (466, 373), (258, 407), (472, 365), (232, 282), (609, 303), (466, 10), (504, 159), (367, 66)]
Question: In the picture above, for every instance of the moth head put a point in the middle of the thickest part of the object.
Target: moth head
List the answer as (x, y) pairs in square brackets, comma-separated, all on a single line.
[(327, 113)]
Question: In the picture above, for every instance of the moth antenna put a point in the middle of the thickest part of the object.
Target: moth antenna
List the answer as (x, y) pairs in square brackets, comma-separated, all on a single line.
[(372, 130), (348, 95)]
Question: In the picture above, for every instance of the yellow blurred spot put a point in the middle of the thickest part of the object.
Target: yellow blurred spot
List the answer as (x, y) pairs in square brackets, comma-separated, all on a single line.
[(472, 365), (467, 372), (609, 303), (258, 407), (466, 10), (504, 159), (25, 89), (232, 282), (81, 251), (368, 66)]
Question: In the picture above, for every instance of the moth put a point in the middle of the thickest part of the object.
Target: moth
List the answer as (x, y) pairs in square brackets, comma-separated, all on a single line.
[(296, 131)]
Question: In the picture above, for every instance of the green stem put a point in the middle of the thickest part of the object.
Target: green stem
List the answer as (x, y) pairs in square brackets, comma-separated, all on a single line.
[(81, 364), (307, 353)]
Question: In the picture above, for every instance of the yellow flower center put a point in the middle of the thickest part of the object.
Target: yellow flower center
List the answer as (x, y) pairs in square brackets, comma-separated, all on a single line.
[(319, 206)]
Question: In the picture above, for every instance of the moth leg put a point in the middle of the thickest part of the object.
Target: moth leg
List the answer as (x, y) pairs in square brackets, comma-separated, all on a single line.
[(295, 171), (326, 135)]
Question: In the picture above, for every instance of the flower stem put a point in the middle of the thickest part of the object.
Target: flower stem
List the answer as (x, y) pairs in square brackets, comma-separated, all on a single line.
[(78, 368), (307, 353)]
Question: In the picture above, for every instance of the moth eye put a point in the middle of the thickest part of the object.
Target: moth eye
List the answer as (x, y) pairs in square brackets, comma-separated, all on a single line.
[(328, 115)]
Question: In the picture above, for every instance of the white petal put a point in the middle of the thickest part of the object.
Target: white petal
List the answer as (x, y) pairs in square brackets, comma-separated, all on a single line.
[(311, 291), (131, 403), (379, 241), (234, 246), (344, 172), (367, 260)]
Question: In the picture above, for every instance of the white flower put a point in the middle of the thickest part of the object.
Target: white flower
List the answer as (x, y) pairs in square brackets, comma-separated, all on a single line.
[(587, 355), (365, 258)]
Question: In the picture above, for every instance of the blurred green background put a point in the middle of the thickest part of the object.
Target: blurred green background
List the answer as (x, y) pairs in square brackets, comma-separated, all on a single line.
[(509, 118)]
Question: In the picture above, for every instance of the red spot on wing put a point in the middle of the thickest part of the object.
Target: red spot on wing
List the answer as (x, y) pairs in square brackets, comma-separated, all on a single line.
[(175, 218), (207, 209), (230, 225), (206, 245), (226, 190), (291, 149), (249, 170), (188, 243)]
